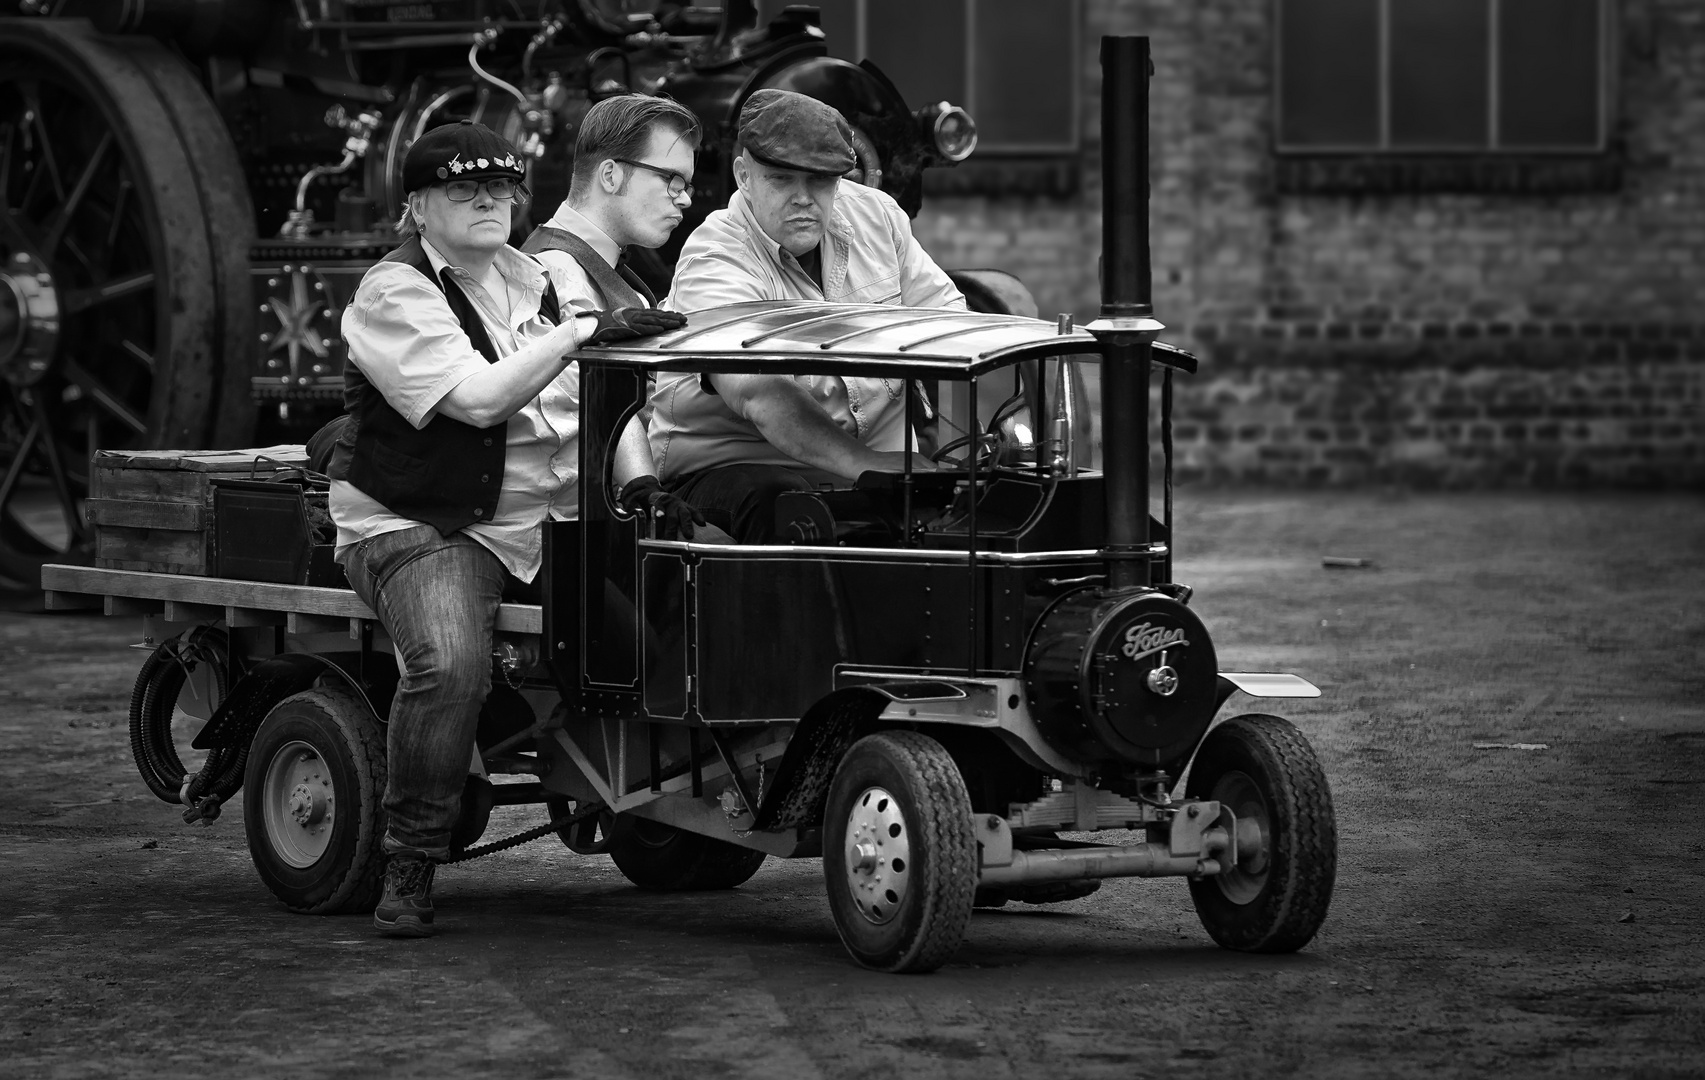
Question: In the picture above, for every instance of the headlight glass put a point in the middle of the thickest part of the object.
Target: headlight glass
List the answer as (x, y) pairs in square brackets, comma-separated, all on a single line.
[(955, 132)]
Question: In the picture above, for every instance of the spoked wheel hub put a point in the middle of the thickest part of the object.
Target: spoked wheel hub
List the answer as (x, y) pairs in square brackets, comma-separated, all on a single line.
[(879, 854), (125, 223), (29, 319)]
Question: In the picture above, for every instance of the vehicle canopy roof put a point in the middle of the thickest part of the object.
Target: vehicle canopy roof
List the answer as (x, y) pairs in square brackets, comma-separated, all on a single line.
[(804, 337)]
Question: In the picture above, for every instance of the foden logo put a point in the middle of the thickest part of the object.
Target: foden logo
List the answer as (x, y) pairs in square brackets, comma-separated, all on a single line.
[(1142, 640)]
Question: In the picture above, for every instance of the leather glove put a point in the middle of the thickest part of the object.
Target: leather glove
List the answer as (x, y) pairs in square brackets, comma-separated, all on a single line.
[(625, 324), (671, 514)]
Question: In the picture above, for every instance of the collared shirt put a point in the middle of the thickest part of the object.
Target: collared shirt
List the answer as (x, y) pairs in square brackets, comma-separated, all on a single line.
[(574, 288), (869, 256), (405, 339)]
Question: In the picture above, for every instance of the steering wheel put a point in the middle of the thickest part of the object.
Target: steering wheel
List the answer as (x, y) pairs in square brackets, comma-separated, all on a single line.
[(987, 451)]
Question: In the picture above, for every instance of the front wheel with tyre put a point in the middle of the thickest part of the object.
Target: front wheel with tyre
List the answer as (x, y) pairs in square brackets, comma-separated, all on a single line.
[(899, 854), (1274, 898), (312, 802), (663, 858)]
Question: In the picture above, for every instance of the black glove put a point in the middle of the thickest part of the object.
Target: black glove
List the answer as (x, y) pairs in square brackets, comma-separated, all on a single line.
[(672, 514), (624, 324)]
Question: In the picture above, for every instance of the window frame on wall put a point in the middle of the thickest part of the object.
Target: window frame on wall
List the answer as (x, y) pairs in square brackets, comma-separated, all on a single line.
[(1489, 162), (1072, 140), (1027, 166)]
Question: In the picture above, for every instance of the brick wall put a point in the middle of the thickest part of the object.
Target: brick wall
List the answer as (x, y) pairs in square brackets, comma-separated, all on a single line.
[(1457, 339)]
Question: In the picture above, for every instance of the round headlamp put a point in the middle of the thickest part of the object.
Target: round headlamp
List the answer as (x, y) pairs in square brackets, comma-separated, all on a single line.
[(951, 130)]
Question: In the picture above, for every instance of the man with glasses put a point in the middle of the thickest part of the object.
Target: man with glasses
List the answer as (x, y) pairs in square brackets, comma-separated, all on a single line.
[(793, 231), (459, 441), (631, 183)]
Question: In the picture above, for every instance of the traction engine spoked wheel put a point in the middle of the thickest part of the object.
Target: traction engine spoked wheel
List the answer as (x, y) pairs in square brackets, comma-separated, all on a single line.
[(1276, 895), (312, 802), (663, 858), (124, 229), (899, 854)]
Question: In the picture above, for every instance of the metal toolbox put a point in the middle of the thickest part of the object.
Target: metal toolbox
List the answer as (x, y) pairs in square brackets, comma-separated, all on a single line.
[(270, 531)]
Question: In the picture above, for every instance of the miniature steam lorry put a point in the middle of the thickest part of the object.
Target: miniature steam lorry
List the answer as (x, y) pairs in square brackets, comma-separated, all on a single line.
[(942, 672)]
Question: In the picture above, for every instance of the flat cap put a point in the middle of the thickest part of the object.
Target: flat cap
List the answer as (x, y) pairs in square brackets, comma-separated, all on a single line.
[(460, 151), (792, 131)]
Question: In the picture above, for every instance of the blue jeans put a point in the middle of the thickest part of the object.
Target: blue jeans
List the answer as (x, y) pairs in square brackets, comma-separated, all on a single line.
[(437, 596)]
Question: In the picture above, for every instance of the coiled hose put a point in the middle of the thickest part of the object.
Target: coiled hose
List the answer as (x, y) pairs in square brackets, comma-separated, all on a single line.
[(152, 701)]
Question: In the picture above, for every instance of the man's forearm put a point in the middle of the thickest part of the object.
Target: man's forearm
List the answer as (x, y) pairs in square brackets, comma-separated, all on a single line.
[(787, 417), (633, 455)]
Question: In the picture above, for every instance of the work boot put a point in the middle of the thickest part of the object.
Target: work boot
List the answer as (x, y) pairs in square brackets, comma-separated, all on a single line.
[(406, 908)]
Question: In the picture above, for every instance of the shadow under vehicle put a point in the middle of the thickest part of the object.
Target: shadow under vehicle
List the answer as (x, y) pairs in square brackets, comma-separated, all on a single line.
[(940, 674), (190, 190)]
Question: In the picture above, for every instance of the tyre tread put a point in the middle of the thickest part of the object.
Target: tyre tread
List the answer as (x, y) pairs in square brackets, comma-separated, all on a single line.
[(360, 891), (944, 820), (1288, 918), (360, 888)]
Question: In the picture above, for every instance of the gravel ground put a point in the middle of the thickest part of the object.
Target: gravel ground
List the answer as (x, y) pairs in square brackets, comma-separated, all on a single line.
[(1524, 912)]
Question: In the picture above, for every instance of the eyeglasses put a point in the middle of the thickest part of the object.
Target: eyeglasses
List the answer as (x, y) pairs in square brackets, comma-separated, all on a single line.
[(678, 184), (501, 188)]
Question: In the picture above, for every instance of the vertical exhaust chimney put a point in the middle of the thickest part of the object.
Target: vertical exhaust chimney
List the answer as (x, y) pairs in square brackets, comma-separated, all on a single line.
[(1126, 326)]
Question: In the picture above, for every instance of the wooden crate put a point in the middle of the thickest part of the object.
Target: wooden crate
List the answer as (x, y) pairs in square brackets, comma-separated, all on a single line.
[(153, 509)]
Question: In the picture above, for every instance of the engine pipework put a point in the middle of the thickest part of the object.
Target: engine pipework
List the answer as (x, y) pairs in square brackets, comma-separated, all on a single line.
[(360, 129)]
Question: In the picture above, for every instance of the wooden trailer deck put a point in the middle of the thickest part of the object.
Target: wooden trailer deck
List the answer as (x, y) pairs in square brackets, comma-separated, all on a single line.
[(300, 609)]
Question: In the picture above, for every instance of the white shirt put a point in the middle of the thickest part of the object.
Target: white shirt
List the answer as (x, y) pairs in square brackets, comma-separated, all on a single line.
[(405, 339), (869, 256)]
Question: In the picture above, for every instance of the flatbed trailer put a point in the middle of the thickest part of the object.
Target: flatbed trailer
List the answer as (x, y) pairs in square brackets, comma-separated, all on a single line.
[(179, 600)]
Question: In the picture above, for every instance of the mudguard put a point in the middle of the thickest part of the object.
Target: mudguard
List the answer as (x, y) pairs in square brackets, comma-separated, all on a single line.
[(822, 738), (1263, 684), (238, 717)]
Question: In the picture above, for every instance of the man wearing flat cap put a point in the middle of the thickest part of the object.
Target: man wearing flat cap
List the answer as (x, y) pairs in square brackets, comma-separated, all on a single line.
[(793, 231), (459, 441)]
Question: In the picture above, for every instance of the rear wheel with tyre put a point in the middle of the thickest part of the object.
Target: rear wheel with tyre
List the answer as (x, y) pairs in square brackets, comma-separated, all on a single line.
[(899, 853), (312, 802), (590, 836), (663, 858), (1274, 898)]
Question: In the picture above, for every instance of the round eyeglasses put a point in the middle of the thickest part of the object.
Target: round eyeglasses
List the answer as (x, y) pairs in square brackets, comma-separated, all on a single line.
[(501, 188), (678, 184)]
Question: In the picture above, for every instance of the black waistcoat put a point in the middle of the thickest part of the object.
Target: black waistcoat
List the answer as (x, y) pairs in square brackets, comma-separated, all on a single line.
[(447, 474), (621, 286)]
